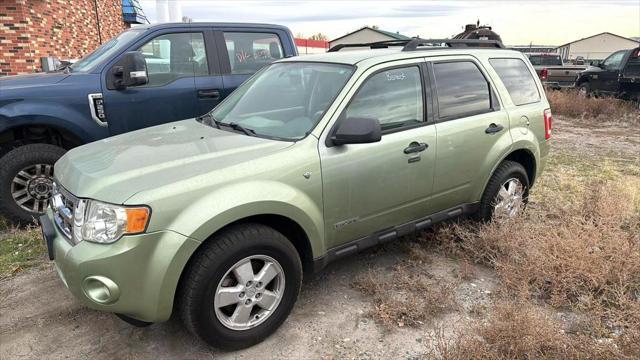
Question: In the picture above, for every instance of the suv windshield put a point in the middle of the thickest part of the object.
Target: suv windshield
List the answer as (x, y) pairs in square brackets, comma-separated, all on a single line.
[(545, 60), (284, 100), (105, 51)]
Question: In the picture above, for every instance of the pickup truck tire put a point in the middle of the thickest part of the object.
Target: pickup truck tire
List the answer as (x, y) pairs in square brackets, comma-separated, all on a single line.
[(31, 165), (507, 174), (584, 89), (214, 278)]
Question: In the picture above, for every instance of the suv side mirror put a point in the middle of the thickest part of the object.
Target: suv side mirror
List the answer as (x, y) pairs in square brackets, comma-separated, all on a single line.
[(131, 70), (357, 130)]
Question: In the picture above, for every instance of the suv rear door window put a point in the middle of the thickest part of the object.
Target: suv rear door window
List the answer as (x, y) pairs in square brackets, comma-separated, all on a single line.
[(249, 52), (461, 89), (518, 80), (393, 97)]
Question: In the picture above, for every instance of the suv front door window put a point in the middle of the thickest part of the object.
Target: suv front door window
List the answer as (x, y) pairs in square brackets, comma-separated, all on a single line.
[(376, 185)]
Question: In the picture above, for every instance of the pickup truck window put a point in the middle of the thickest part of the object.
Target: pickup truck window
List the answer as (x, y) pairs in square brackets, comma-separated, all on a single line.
[(173, 56), (248, 52), (303, 92), (613, 61), (105, 51), (518, 80), (461, 89), (545, 60), (393, 96)]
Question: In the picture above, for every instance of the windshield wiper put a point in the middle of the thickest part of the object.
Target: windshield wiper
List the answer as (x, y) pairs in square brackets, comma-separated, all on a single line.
[(245, 130), (208, 119)]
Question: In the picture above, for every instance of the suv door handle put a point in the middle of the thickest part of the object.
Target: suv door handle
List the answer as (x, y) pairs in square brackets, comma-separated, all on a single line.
[(493, 128), (209, 94), (415, 147)]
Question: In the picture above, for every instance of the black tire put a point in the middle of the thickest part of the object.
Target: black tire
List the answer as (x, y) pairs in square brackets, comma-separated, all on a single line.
[(11, 164), (505, 171), (585, 89), (210, 264)]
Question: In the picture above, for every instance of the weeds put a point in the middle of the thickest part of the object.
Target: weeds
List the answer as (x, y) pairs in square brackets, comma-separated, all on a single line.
[(405, 297), (571, 104)]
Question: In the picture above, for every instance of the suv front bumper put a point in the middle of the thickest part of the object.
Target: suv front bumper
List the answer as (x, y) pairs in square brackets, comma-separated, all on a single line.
[(136, 276)]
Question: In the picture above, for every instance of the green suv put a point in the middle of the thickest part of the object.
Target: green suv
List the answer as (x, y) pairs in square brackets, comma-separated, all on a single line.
[(313, 158)]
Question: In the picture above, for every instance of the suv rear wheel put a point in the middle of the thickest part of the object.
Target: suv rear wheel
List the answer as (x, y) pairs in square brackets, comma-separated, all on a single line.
[(506, 194), (241, 286), (26, 178)]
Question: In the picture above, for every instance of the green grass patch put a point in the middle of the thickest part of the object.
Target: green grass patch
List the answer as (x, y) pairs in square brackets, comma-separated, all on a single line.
[(20, 249)]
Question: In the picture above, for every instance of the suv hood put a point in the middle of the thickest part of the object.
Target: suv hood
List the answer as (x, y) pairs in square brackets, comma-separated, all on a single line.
[(39, 79), (114, 169)]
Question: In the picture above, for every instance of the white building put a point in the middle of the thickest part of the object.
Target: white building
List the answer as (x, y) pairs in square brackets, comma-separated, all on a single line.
[(596, 47), (366, 35)]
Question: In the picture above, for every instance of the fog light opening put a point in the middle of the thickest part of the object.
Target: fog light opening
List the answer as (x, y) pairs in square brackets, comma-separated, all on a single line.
[(100, 289)]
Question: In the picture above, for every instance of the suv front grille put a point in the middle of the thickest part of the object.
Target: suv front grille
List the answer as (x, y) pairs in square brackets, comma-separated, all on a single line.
[(63, 204)]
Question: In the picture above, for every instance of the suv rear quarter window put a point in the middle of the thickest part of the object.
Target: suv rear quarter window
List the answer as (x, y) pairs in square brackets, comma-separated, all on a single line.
[(518, 80), (462, 90)]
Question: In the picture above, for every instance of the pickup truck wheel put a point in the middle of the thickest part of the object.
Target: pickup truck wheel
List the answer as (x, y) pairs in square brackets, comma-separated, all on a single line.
[(241, 286), (506, 194), (584, 89), (26, 178)]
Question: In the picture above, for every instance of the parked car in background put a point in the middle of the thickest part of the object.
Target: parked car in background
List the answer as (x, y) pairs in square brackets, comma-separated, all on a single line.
[(553, 72), (312, 159), (617, 75), (145, 76)]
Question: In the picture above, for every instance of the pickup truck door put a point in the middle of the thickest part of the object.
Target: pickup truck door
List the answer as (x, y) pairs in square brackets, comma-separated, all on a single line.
[(174, 57), (608, 78), (243, 51), (371, 187)]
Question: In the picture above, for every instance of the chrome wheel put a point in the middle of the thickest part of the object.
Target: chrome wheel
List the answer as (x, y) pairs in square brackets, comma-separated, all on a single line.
[(510, 199), (31, 187), (249, 292)]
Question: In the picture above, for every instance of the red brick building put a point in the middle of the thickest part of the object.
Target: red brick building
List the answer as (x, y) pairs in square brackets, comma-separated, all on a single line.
[(66, 29)]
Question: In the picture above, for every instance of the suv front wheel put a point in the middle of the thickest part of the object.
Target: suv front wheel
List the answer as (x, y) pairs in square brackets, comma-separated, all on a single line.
[(241, 286), (506, 194)]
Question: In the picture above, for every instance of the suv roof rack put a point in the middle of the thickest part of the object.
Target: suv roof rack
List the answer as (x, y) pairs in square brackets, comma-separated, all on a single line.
[(413, 44)]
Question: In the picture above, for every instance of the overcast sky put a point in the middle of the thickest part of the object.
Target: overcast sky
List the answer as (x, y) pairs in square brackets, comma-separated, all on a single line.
[(517, 22)]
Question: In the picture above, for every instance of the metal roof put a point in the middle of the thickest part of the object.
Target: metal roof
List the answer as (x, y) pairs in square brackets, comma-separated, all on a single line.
[(383, 32)]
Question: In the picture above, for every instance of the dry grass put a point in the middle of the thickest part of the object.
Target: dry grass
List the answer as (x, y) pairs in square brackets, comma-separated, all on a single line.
[(569, 103), (406, 297), (518, 330), (582, 255)]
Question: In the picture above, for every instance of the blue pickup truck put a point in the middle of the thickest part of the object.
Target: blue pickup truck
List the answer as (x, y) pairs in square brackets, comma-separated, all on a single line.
[(145, 76)]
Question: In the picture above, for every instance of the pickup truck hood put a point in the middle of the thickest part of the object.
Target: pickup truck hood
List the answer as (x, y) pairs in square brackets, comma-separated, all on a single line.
[(116, 168), (24, 81)]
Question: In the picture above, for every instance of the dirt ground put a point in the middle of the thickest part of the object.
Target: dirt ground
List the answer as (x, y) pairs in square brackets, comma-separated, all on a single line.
[(40, 319)]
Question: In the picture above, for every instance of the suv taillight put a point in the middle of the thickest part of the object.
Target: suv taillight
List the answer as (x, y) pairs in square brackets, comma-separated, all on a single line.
[(544, 73), (548, 123)]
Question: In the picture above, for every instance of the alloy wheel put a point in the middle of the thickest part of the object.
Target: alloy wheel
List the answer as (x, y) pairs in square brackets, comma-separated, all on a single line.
[(249, 292), (31, 187), (510, 199)]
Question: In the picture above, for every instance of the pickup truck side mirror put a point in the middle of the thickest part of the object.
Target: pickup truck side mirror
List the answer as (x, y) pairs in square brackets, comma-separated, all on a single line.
[(131, 70), (357, 130)]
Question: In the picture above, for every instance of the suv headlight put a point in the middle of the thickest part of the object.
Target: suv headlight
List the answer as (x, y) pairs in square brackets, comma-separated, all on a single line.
[(104, 223)]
